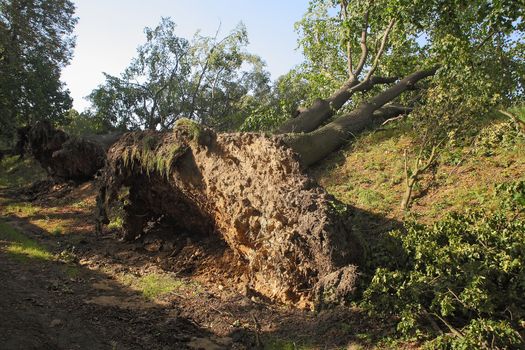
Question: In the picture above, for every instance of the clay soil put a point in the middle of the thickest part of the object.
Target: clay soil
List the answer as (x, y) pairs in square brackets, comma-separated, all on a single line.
[(80, 300)]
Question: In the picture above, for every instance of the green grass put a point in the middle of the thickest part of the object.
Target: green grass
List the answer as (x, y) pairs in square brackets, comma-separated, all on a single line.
[(155, 285), (72, 271), (57, 230), (369, 172), (21, 247), (21, 209)]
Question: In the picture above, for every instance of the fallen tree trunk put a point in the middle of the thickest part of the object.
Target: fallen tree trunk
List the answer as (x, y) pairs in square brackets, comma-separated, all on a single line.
[(63, 157), (316, 145), (250, 190), (323, 109)]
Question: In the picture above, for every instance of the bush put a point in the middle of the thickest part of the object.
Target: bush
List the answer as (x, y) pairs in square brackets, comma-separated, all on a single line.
[(497, 136), (461, 284)]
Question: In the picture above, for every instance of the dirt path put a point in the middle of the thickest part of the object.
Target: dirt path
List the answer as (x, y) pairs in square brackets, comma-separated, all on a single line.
[(90, 294), (52, 305)]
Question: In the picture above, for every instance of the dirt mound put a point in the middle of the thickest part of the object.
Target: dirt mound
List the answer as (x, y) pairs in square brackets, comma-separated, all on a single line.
[(248, 189)]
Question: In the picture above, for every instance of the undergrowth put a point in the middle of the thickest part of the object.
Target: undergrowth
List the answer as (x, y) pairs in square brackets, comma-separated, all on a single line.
[(457, 284)]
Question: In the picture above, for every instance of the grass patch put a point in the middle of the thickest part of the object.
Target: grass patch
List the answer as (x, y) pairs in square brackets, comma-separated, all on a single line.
[(155, 285), (369, 172), (22, 209), (21, 247), (57, 230), (72, 271), (370, 198)]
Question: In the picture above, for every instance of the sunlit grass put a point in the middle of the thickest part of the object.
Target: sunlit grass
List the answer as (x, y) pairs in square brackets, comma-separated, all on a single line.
[(22, 247), (155, 285), (22, 209), (369, 172)]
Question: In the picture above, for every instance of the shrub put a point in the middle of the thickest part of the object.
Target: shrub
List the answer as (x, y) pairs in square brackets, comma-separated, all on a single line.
[(461, 282)]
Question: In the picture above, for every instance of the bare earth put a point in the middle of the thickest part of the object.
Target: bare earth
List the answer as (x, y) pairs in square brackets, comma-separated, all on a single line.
[(84, 304)]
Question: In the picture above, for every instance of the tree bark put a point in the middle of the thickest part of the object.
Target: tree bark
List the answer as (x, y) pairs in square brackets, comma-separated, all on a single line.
[(316, 145), (323, 109)]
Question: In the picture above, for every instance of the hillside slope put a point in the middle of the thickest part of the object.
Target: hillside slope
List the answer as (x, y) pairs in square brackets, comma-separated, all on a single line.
[(369, 172)]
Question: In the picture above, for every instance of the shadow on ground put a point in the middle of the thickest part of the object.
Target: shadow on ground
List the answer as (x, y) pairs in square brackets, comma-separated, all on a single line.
[(83, 304)]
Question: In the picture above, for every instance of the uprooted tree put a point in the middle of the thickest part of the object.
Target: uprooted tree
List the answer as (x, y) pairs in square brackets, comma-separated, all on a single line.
[(251, 189), (62, 156)]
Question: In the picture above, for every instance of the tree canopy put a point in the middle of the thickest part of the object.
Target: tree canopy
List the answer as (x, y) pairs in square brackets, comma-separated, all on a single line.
[(36, 42), (479, 43), (204, 79)]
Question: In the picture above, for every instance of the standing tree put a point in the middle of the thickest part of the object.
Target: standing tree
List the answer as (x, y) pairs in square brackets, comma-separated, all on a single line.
[(36, 42), (203, 79)]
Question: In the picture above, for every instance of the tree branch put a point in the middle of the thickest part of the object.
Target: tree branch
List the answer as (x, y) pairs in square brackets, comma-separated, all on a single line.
[(381, 49), (364, 47), (317, 144), (344, 12), (321, 110)]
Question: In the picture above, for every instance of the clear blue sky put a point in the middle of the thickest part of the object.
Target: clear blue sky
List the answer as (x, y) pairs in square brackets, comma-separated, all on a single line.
[(109, 31)]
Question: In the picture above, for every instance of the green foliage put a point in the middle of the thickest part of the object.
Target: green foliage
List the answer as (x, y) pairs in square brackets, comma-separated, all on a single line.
[(270, 110), (464, 275), (513, 195), (81, 124), (203, 79), (36, 42), (496, 136), (477, 45)]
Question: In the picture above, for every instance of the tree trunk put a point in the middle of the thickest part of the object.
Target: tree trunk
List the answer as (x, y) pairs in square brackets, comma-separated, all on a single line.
[(323, 109), (316, 145), (292, 240)]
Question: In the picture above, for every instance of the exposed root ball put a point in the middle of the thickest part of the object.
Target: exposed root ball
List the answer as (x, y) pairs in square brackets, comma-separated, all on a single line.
[(250, 190), (63, 157)]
